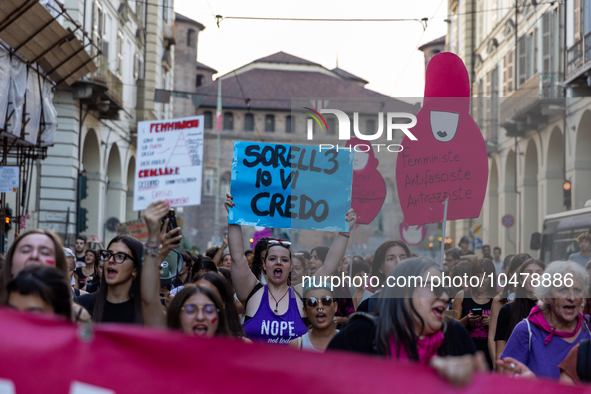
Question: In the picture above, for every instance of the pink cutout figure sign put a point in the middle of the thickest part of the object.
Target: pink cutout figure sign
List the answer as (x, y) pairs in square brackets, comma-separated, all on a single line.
[(448, 158), (369, 188)]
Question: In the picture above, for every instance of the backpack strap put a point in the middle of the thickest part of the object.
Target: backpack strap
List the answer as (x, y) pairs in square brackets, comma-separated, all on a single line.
[(256, 288), (586, 325), (372, 319), (529, 330), (584, 361)]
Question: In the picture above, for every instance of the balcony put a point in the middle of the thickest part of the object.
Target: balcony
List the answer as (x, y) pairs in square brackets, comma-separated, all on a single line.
[(578, 66), (531, 103), (114, 84), (169, 34), (103, 92)]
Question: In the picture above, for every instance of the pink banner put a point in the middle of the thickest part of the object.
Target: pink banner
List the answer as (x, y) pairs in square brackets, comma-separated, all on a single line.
[(41, 354)]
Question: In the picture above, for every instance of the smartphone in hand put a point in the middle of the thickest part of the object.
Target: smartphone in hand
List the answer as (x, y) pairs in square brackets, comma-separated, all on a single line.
[(477, 311), (172, 223)]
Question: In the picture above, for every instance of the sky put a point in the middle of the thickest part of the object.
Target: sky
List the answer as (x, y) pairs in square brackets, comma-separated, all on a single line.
[(383, 53)]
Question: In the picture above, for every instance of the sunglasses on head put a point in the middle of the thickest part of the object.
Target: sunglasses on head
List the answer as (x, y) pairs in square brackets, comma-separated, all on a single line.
[(312, 302), (280, 242)]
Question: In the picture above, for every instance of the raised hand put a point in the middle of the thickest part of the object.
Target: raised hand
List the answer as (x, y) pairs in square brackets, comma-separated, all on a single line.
[(153, 214), (459, 370), (351, 218), (169, 239), (229, 202)]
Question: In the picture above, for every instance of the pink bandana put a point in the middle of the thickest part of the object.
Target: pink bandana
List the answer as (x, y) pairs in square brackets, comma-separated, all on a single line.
[(427, 347), (536, 316)]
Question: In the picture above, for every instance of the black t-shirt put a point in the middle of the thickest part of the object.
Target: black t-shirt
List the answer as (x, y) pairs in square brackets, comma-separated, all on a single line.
[(502, 333), (81, 277), (93, 287), (369, 304), (81, 259), (359, 336), (123, 312)]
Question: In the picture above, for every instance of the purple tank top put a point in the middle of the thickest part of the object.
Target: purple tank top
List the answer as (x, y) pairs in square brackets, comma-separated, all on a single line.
[(265, 326)]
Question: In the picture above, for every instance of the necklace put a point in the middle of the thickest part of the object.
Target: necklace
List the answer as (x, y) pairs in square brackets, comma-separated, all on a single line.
[(277, 302)]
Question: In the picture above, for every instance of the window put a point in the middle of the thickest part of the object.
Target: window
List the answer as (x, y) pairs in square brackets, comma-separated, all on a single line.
[(208, 120), (165, 10), (522, 62), (270, 123), (119, 54), (547, 41), (98, 25), (370, 126), (288, 124), (225, 184), (210, 182), (228, 121), (508, 73), (331, 126), (494, 105), (136, 66), (248, 122), (200, 79), (191, 38)]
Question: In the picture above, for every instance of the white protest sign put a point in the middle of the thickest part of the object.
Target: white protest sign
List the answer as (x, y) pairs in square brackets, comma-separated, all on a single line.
[(169, 162), (9, 176)]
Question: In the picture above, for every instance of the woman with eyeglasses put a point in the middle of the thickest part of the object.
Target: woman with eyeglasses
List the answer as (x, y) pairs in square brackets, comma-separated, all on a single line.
[(219, 285), (409, 325), (198, 311), (320, 307), (273, 311), (119, 297)]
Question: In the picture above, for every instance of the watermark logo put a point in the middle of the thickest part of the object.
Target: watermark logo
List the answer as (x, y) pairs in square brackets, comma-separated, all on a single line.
[(394, 121)]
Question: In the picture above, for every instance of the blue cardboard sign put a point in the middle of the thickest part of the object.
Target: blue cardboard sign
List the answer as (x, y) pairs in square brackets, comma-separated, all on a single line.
[(291, 186)]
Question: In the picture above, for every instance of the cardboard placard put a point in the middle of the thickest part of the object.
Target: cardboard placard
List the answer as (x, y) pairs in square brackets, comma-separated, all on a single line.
[(290, 186), (169, 162), (448, 161)]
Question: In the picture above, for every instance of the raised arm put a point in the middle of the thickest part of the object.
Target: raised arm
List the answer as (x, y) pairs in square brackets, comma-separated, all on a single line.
[(338, 248), (218, 256), (150, 279), (242, 277)]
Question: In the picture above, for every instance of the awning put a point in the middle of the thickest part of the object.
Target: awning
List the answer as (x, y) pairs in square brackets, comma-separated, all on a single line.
[(31, 31)]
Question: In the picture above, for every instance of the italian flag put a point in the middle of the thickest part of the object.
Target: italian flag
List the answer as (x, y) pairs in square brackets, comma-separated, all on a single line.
[(219, 108)]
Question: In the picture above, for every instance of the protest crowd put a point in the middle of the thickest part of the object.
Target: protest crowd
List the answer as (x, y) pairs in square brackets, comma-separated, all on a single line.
[(265, 295)]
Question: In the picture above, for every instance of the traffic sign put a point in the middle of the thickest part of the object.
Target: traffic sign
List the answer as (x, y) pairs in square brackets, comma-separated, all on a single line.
[(508, 220), (476, 243)]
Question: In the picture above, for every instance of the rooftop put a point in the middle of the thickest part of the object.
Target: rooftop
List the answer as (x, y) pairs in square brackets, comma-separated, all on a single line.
[(435, 42), (182, 18), (260, 86), (201, 66)]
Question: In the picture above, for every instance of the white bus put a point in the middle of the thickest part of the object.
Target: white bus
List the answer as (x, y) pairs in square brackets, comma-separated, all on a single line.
[(559, 236)]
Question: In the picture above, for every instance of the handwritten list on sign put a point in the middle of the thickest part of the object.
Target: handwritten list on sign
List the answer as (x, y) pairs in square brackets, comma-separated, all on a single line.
[(284, 186), (169, 163)]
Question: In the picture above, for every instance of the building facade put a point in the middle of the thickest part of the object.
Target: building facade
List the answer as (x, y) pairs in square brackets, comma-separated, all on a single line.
[(98, 115), (529, 103)]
